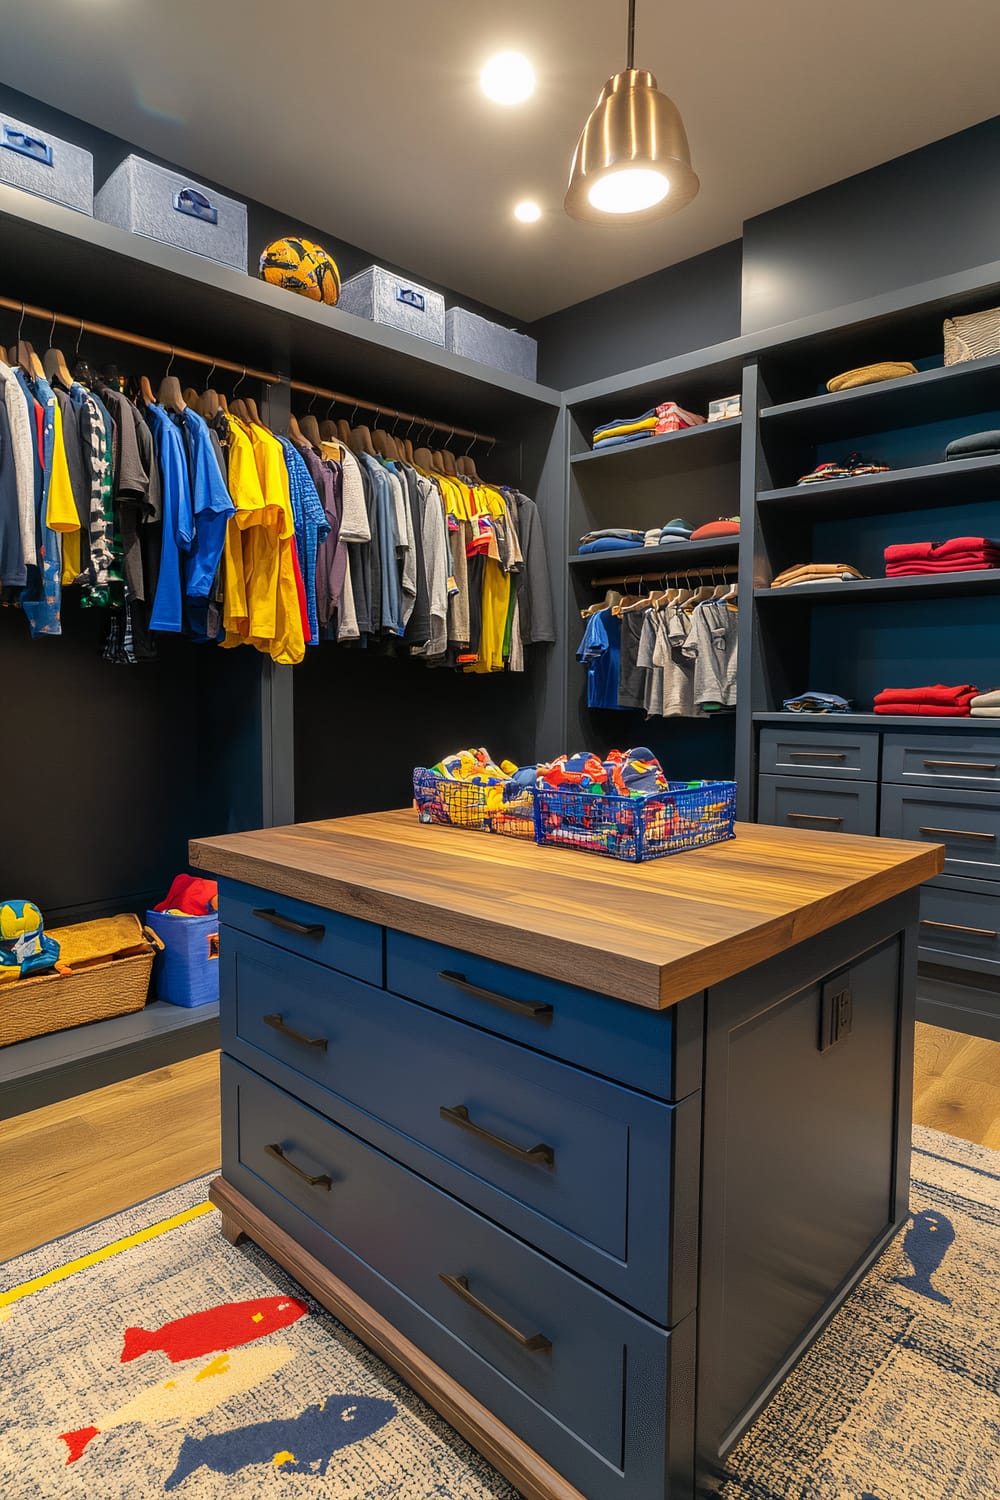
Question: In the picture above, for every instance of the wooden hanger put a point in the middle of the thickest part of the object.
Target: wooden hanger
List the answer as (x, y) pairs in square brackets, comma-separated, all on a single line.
[(170, 394), (254, 414), (382, 443), (328, 431), (146, 391), (423, 458), (407, 451), (209, 404), (611, 597), (56, 368), (295, 432), (310, 429), (238, 407), (23, 354), (191, 398), (361, 441)]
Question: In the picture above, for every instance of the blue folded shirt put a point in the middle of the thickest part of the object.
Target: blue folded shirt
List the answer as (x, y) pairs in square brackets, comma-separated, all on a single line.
[(609, 544), (817, 703)]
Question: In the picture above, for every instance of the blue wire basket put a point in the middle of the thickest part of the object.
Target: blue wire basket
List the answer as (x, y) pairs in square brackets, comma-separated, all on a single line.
[(490, 809), (686, 816)]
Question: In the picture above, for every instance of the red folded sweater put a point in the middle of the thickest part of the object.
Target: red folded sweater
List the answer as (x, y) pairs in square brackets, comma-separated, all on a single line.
[(936, 551), (931, 710), (953, 565), (937, 693)]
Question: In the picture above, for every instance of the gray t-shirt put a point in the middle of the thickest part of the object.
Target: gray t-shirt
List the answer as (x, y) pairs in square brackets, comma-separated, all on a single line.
[(711, 645)]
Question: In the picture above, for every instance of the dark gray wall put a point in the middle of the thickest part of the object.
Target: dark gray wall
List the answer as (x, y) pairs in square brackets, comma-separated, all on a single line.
[(687, 306), (930, 213), (264, 224)]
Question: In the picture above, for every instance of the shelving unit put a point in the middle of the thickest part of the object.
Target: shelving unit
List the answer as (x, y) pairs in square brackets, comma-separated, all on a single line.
[(206, 741), (861, 772), (722, 551)]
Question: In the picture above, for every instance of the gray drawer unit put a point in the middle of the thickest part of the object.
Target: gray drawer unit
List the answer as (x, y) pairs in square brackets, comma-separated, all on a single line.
[(852, 755), (960, 925), (966, 823), (956, 760), (809, 802)]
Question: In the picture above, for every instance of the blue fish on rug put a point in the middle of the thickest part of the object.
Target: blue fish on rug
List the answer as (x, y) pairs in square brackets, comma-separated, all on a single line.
[(295, 1445), (925, 1244)]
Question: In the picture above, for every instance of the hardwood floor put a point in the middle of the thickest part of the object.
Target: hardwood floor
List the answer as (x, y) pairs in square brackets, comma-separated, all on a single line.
[(77, 1161), (71, 1163)]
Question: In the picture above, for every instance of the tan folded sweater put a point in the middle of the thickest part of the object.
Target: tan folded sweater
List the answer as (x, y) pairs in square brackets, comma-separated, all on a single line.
[(987, 700), (806, 572)]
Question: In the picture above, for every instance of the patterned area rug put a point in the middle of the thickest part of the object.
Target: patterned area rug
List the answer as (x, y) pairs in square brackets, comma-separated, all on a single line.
[(145, 1355)]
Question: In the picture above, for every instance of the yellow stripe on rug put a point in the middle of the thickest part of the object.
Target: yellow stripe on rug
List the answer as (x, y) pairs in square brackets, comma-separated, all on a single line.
[(60, 1273)]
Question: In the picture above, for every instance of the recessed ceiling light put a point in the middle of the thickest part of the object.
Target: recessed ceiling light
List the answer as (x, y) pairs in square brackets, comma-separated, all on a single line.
[(508, 78), (528, 212)]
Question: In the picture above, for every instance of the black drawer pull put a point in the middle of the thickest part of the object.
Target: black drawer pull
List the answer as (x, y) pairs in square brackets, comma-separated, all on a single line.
[(322, 1181), (458, 1114), (533, 1010), (964, 765), (296, 1036), (817, 755), (962, 833), (302, 929), (985, 932), (813, 818), (460, 1286)]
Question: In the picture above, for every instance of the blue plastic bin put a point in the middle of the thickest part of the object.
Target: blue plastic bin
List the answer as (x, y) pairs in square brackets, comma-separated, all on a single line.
[(187, 971)]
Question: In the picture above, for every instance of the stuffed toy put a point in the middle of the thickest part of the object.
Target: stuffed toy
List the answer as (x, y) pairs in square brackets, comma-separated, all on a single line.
[(24, 948)]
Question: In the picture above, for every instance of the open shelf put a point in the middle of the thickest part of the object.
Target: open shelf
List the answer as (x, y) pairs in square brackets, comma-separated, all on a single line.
[(909, 400), (928, 586), (691, 379), (671, 452), (63, 260), (722, 550), (925, 486), (877, 721)]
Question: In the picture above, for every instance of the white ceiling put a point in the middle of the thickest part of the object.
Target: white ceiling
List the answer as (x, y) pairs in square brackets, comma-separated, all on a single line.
[(366, 118)]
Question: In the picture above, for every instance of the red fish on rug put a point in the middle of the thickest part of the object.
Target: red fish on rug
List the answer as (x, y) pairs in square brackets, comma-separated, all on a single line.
[(224, 1327)]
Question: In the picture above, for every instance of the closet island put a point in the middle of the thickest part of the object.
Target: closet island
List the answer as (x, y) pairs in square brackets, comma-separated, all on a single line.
[(589, 1152)]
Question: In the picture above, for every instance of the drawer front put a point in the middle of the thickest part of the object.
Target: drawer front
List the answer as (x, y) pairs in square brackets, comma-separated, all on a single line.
[(966, 823), (583, 1168), (813, 752), (341, 942), (634, 1045), (956, 760), (818, 805), (579, 1377), (960, 927)]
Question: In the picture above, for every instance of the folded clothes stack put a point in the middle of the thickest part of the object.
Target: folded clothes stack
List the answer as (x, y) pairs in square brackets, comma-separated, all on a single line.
[(817, 703), (724, 526), (612, 539), (936, 701), (667, 417), (975, 445), (816, 573), (869, 374), (854, 468), (962, 554), (986, 705), (677, 530)]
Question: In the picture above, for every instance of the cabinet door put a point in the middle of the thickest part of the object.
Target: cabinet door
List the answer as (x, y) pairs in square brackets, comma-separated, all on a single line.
[(819, 805)]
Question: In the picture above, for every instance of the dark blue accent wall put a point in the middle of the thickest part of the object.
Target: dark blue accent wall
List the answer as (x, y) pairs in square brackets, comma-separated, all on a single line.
[(930, 213), (686, 306)]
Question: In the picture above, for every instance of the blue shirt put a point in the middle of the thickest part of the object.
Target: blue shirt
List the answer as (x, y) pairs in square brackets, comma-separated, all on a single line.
[(600, 649), (311, 527), (211, 506), (384, 518), (42, 596), (178, 519)]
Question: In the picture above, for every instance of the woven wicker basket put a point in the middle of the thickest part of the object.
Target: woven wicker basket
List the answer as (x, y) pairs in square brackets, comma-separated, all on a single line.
[(53, 1002)]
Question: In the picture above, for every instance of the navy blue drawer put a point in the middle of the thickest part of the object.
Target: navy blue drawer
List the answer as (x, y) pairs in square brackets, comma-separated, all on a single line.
[(960, 925), (656, 1051), (343, 943), (966, 823), (816, 752), (584, 1381), (594, 1174), (818, 805), (956, 760)]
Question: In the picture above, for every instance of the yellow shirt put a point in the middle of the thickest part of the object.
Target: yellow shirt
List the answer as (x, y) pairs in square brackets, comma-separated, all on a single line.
[(251, 510), (61, 512), (272, 595)]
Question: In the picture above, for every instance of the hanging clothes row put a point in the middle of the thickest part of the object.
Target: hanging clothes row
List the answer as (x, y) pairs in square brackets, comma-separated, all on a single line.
[(187, 515), (671, 652)]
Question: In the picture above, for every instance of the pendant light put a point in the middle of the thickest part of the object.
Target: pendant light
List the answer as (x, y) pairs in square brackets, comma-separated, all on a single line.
[(632, 163)]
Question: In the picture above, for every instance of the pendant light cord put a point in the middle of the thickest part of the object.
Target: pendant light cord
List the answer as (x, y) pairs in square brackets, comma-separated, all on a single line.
[(631, 33)]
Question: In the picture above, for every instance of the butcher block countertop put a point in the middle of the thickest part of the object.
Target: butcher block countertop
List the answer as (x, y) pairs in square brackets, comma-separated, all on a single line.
[(651, 933)]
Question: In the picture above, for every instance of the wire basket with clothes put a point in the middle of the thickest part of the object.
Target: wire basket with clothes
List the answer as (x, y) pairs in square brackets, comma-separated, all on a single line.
[(469, 790), (684, 815)]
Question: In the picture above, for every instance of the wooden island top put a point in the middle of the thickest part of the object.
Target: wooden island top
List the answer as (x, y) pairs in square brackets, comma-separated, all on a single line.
[(649, 933)]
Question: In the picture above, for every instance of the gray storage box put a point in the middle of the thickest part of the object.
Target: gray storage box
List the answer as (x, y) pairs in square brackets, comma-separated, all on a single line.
[(162, 205), (46, 166), (477, 338), (383, 297)]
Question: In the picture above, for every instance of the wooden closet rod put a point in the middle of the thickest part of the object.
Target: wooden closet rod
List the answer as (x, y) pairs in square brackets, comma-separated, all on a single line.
[(727, 572), (82, 325), (388, 411)]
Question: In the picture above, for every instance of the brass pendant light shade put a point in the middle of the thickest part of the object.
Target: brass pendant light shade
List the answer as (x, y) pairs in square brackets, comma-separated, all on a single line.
[(632, 163)]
